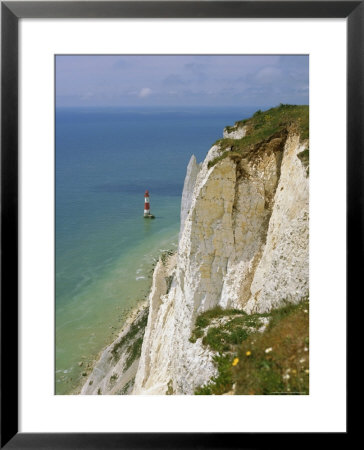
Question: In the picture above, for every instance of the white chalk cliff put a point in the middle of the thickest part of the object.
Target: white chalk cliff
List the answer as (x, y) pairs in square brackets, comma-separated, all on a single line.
[(190, 180), (243, 244)]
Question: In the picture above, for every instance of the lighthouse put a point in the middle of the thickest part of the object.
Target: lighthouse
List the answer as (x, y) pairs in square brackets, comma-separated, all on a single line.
[(147, 213), (146, 204)]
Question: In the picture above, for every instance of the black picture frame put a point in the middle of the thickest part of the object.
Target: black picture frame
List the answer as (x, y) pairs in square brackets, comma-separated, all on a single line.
[(11, 12)]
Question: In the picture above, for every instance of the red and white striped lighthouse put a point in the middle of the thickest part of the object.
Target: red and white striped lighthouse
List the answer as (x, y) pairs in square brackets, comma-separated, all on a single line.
[(146, 204)]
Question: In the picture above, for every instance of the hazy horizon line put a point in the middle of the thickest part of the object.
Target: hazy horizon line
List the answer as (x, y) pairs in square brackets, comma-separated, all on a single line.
[(174, 106)]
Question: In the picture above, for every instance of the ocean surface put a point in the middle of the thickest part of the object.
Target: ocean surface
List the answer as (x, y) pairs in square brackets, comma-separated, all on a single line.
[(105, 249)]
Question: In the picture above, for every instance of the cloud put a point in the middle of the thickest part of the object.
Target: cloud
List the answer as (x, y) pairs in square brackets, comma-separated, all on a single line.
[(145, 92), (182, 79)]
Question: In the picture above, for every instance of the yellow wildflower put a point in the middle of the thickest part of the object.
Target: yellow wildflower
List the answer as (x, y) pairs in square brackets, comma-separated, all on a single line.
[(235, 362), (248, 353)]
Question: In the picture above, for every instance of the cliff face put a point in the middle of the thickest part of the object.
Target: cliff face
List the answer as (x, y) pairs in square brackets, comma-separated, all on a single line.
[(243, 244), (190, 180)]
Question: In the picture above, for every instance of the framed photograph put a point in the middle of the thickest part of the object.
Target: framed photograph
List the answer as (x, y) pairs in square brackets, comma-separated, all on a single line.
[(180, 220)]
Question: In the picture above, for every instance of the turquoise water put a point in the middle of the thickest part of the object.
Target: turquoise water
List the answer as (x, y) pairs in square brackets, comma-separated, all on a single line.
[(105, 160)]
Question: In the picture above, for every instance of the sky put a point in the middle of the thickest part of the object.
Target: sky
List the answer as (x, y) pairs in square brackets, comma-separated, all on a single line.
[(181, 80)]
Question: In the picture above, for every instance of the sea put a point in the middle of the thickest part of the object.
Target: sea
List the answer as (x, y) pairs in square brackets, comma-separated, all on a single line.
[(105, 250)]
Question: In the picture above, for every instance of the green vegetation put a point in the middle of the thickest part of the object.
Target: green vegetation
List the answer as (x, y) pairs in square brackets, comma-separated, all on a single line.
[(223, 382), (204, 319), (126, 387), (165, 255), (263, 126), (137, 327), (221, 339), (113, 378), (169, 280), (226, 328), (277, 315), (133, 352), (268, 362), (304, 156), (170, 388), (277, 361)]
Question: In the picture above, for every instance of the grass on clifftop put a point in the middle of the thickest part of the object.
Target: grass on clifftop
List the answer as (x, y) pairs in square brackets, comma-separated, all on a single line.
[(277, 361), (272, 362), (261, 126)]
